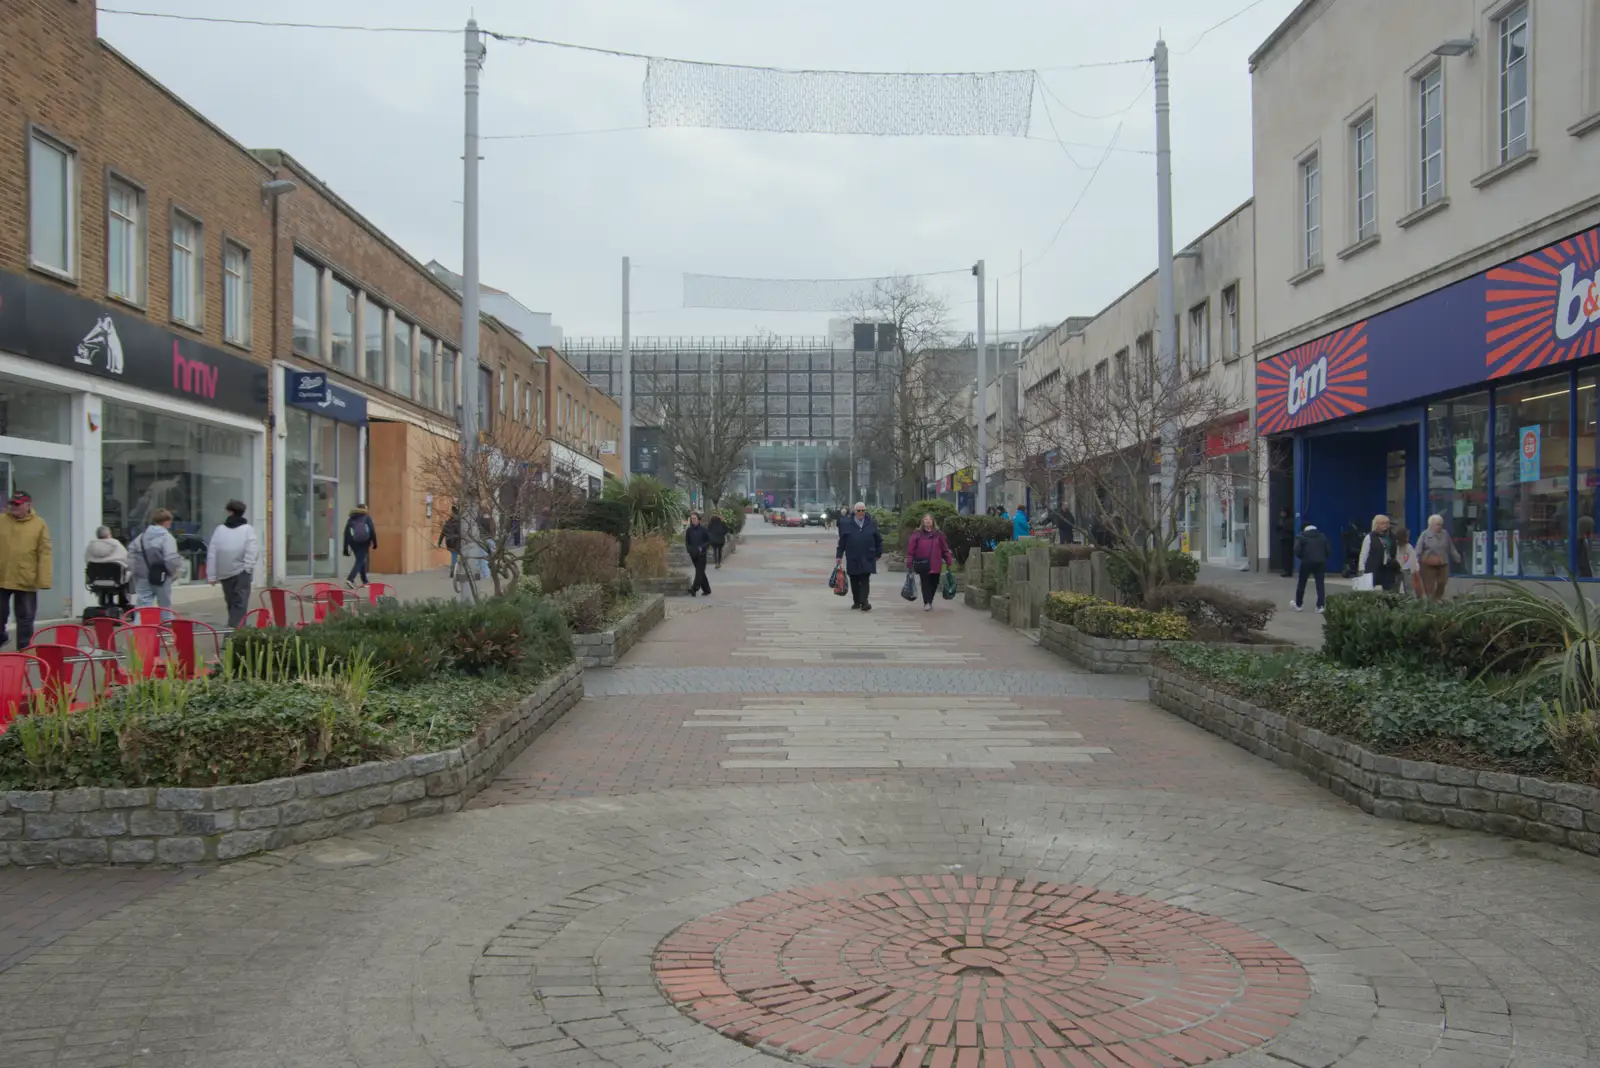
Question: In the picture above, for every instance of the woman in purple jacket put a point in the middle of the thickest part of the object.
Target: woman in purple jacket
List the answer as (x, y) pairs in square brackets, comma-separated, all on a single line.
[(927, 552)]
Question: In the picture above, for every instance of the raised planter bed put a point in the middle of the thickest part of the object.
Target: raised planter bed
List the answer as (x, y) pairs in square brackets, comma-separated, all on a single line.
[(606, 647), (1103, 656), (1000, 608), (148, 825), (1516, 806), (977, 597), (674, 585)]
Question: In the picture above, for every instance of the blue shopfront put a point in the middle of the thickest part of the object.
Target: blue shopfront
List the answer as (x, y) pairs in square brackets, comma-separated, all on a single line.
[(1476, 402)]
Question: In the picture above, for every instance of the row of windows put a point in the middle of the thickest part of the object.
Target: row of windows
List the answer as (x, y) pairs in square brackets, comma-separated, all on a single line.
[(349, 329), (1193, 344), (1511, 69), (53, 244), (578, 423)]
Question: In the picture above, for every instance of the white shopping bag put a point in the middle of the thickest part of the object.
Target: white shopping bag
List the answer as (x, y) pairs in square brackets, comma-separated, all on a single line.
[(1362, 582)]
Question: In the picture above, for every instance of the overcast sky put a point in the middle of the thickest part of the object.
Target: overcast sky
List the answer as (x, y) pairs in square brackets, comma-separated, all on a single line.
[(379, 118)]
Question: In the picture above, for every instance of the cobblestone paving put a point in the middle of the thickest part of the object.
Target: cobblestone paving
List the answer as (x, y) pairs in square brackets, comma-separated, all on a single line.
[(1189, 902)]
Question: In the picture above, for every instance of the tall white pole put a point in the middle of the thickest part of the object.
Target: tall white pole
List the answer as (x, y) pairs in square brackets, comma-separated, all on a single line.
[(981, 504), (469, 302), (627, 376), (1166, 297)]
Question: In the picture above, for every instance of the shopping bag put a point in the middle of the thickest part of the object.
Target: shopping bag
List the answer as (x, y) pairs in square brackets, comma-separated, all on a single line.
[(947, 585), (840, 584), (909, 590), (1362, 583)]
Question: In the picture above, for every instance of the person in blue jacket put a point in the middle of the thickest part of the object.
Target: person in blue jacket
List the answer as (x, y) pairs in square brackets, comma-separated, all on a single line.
[(860, 545), (1019, 523)]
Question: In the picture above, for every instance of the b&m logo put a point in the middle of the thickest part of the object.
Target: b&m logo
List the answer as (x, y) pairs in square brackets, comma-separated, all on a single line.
[(1544, 309), (1308, 386), (1320, 380)]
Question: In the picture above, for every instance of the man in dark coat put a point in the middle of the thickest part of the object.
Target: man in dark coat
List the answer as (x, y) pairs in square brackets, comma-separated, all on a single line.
[(696, 541), (717, 527), (860, 545), (1313, 548)]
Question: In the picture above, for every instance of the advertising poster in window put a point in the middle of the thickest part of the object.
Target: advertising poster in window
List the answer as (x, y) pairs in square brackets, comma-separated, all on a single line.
[(1465, 462), (1529, 453)]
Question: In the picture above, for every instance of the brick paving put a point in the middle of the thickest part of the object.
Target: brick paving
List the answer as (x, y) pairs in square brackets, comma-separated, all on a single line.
[(1209, 908)]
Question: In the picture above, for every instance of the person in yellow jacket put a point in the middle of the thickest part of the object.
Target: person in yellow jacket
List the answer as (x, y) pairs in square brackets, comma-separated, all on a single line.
[(25, 566)]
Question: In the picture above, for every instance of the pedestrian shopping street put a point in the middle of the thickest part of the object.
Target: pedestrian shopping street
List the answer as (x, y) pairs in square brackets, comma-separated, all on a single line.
[(781, 830)]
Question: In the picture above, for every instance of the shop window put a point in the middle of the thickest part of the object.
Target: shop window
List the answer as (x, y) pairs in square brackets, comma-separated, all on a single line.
[(1532, 477), (1587, 551), (342, 326), (307, 308), (401, 335), (27, 411), (425, 395), (152, 460), (1458, 475), (374, 335)]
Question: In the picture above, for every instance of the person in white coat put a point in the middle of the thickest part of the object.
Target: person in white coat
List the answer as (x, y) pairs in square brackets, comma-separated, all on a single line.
[(231, 560)]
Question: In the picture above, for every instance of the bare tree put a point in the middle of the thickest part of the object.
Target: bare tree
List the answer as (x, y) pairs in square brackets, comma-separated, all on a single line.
[(923, 399), (510, 485), (1103, 433), (709, 419)]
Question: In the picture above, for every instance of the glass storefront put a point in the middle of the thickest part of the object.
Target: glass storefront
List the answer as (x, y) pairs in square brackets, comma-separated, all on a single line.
[(322, 482), (151, 460), (1458, 475), (1533, 464)]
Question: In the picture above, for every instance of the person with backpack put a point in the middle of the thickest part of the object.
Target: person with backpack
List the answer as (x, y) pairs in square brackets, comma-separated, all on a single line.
[(1313, 548), (450, 538), (360, 538), (156, 562)]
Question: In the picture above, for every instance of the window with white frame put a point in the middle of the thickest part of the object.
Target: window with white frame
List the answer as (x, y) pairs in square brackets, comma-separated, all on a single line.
[(186, 255), (1364, 156), (1430, 136), (307, 285), (1145, 346), (124, 241), (541, 418), (500, 393), (1200, 337), (1119, 369), (1230, 323), (52, 196), (374, 342), (1311, 212), (1512, 32), (1102, 377), (235, 293)]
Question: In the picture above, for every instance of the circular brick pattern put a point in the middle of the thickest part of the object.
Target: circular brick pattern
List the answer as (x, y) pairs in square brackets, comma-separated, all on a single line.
[(929, 971)]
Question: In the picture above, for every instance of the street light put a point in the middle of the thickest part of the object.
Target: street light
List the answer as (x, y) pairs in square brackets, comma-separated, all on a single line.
[(1458, 46)]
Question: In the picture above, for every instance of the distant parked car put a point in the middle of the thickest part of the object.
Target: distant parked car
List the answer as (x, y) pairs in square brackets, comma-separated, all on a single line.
[(776, 516), (813, 515), (795, 519)]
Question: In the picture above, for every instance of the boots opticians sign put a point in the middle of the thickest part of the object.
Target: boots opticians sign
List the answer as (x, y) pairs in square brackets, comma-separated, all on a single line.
[(1536, 312), (44, 323)]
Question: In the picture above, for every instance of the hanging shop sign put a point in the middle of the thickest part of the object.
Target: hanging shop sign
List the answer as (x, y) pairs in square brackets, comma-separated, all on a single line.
[(42, 322), (1537, 311)]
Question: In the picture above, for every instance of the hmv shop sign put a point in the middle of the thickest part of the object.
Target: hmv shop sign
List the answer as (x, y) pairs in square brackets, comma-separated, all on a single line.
[(45, 323)]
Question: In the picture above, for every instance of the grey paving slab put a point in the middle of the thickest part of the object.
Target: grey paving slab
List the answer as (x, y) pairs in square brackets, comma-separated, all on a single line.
[(956, 681)]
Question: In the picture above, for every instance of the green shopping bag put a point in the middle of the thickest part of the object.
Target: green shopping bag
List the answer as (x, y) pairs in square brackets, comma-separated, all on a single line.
[(947, 585)]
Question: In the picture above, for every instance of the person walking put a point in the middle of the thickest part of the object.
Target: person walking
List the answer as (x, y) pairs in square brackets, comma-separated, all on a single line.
[(26, 566), (1019, 524), (927, 551), (231, 560), (1436, 551), (450, 538), (1286, 542), (696, 541), (1313, 548), (1410, 583), (360, 538), (155, 561), (717, 527), (860, 546), (1380, 555)]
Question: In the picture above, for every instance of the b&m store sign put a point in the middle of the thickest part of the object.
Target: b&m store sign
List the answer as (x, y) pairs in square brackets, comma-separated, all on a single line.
[(1540, 311)]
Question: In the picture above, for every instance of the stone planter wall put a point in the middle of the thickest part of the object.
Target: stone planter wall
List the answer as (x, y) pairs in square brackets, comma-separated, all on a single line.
[(607, 647), (184, 826), (674, 585), (977, 597), (1000, 608), (1103, 656), (1516, 806)]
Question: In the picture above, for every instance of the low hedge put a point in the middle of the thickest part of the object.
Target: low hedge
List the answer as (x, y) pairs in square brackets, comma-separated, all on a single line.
[(1423, 715), (1064, 555), (1182, 570), (1124, 623), (1211, 608), (1460, 636), (1064, 607), (911, 516), (968, 532), (570, 557), (585, 607)]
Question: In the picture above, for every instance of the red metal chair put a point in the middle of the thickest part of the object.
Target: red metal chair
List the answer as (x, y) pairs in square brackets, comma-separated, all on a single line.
[(256, 619), (21, 677), (73, 673), (146, 651), (151, 616), (287, 609), (105, 632), (333, 600), (312, 590), (196, 645), (74, 634), (375, 590)]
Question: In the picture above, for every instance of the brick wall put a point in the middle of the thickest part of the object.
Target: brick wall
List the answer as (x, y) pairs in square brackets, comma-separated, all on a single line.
[(59, 77)]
